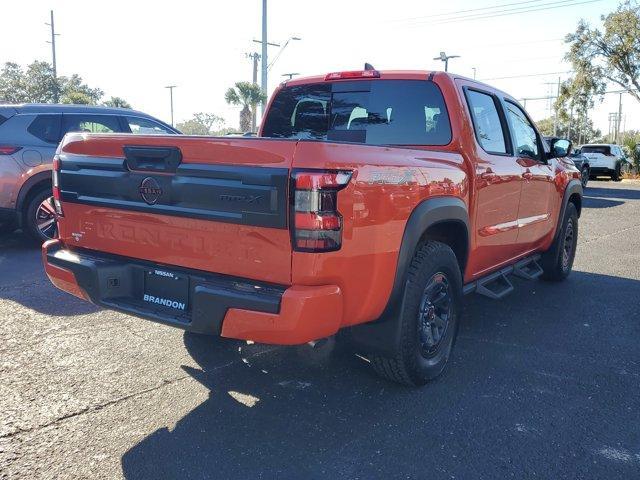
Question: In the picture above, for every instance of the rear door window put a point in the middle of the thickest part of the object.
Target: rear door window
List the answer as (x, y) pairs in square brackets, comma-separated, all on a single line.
[(382, 112), (486, 122), (91, 123), (46, 128)]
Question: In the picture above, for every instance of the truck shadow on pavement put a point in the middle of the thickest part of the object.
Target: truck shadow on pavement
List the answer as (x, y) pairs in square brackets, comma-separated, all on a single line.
[(294, 412), (602, 197)]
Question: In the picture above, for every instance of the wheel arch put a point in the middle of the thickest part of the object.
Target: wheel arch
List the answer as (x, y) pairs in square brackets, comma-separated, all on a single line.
[(445, 219), (33, 185), (573, 194)]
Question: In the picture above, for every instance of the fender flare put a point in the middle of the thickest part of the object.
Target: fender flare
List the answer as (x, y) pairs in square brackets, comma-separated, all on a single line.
[(27, 188), (383, 335), (574, 186)]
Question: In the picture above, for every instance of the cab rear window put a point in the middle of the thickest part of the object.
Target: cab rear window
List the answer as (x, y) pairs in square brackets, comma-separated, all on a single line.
[(380, 112)]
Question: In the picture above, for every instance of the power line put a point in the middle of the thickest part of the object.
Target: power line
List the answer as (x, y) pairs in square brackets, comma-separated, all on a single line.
[(525, 75), (503, 13), (468, 10)]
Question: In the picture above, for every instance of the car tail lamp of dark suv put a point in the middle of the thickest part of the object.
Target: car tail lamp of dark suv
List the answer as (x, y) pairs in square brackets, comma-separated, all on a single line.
[(9, 149), (316, 224), (55, 181)]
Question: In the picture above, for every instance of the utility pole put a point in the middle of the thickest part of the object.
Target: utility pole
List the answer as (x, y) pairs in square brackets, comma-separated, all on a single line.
[(555, 118), (619, 122), (474, 72), (264, 62), (171, 87), (255, 56), (56, 94)]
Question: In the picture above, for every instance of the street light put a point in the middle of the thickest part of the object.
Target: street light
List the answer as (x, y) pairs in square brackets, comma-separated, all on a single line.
[(171, 87), (445, 58), (289, 75), (280, 51)]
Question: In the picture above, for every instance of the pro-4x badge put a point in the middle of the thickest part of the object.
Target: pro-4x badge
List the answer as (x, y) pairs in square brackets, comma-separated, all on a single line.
[(150, 190)]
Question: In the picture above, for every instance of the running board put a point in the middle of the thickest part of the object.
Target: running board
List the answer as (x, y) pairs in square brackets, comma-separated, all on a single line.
[(496, 285), (529, 268)]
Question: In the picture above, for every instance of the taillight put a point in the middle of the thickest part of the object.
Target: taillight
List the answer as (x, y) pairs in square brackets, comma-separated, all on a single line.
[(316, 224), (352, 74), (9, 149), (55, 181)]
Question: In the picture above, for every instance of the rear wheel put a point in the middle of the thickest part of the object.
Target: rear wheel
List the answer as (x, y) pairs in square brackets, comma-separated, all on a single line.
[(585, 176), (616, 176), (39, 217), (429, 317), (557, 262)]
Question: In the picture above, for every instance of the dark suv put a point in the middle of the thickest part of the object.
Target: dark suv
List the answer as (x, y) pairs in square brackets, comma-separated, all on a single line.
[(29, 136)]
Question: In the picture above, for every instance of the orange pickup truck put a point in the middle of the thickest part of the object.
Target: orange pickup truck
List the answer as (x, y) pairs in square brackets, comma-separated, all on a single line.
[(370, 201)]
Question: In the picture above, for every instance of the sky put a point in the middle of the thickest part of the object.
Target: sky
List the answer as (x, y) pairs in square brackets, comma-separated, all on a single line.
[(133, 49)]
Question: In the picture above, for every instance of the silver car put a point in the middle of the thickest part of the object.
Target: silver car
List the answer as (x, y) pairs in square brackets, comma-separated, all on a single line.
[(29, 136)]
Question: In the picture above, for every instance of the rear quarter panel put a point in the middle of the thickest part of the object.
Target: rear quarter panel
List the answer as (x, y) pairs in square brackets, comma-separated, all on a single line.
[(388, 183)]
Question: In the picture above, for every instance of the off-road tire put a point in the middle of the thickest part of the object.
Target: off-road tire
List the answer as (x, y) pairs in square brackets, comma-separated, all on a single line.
[(554, 265), (409, 365)]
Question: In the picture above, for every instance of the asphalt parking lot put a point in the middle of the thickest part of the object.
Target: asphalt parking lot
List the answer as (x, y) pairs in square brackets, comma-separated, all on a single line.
[(543, 384)]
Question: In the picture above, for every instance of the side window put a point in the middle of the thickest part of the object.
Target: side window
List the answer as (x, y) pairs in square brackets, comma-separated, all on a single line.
[(486, 122), (46, 128), (91, 123), (524, 135), (144, 126)]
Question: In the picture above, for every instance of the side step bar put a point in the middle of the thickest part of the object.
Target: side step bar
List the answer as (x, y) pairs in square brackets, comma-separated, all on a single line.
[(496, 285)]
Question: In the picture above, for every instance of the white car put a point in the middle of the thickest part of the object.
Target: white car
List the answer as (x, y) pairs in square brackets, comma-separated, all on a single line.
[(606, 160)]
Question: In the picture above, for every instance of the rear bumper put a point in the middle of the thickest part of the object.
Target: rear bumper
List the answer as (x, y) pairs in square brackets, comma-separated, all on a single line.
[(218, 304), (601, 171)]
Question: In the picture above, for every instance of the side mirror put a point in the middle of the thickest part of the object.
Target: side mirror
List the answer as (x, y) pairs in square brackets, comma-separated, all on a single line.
[(560, 147)]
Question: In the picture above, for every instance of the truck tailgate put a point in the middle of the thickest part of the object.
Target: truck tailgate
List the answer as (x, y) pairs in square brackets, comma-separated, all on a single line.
[(212, 204)]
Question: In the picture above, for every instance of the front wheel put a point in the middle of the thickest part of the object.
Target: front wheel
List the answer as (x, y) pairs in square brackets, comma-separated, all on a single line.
[(39, 217), (428, 317), (557, 262)]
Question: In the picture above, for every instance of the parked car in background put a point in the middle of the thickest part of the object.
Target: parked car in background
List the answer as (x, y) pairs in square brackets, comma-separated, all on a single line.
[(29, 136), (582, 163), (606, 160)]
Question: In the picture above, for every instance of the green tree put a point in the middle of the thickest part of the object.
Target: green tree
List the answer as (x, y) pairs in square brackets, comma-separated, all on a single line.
[(578, 130), (630, 141), (12, 88), (611, 55), (249, 96), (36, 84), (117, 102), (201, 124), (76, 98)]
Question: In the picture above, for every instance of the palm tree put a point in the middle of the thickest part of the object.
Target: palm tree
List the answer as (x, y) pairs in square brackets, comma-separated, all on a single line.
[(248, 95)]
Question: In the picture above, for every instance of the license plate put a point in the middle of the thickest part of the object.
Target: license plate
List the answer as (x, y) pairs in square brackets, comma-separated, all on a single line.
[(166, 290)]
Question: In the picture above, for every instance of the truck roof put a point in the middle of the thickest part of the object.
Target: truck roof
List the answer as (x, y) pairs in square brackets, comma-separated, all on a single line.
[(396, 75)]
